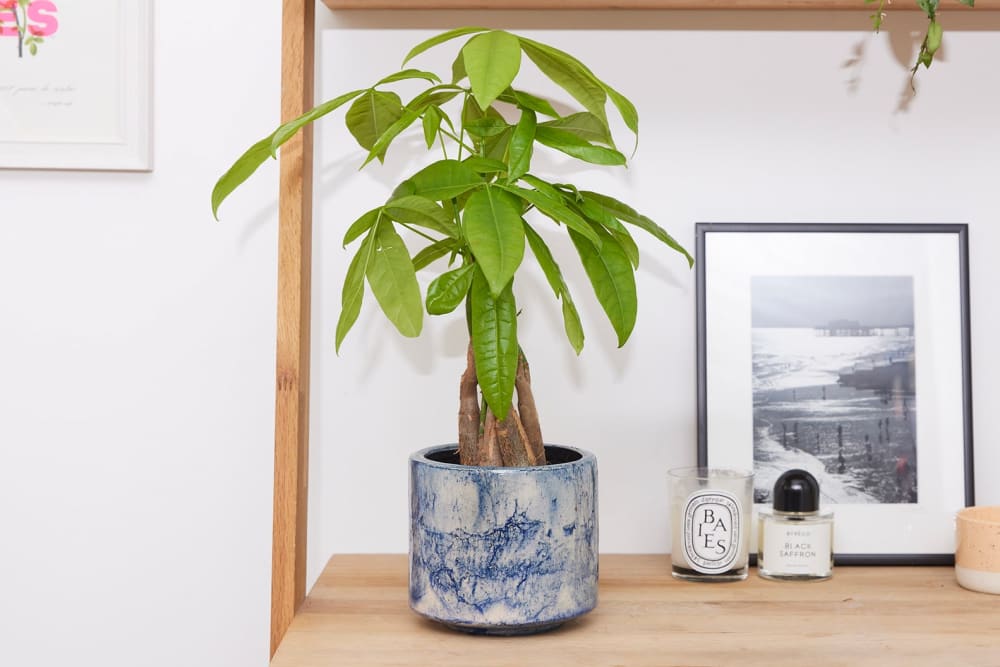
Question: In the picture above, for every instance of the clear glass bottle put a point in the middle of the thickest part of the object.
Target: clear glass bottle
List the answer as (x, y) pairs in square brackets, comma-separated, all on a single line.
[(796, 539)]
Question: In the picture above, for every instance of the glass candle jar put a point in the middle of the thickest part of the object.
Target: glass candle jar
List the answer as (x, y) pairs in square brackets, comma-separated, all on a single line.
[(711, 510)]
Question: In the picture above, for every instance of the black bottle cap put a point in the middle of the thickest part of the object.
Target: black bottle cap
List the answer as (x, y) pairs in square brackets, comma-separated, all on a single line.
[(796, 491)]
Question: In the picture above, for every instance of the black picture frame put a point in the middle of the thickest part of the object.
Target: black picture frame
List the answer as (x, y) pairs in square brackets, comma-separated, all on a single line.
[(753, 236)]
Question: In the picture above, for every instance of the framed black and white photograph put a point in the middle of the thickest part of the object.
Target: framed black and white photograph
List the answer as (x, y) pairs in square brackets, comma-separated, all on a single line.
[(842, 349)]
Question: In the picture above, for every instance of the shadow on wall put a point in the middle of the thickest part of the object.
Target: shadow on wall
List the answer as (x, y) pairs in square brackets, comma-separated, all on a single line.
[(903, 28)]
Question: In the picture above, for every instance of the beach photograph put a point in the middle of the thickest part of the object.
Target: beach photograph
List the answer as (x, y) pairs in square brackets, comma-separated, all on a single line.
[(834, 388)]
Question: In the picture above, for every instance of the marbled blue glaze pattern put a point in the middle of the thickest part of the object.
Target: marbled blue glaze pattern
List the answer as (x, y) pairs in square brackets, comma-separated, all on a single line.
[(503, 550)]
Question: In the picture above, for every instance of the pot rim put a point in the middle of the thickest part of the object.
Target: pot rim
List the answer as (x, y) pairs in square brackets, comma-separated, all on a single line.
[(421, 458)]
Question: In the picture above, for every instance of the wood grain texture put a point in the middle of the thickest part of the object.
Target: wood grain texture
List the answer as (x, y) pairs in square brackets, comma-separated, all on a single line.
[(291, 417), (636, 4), (357, 614)]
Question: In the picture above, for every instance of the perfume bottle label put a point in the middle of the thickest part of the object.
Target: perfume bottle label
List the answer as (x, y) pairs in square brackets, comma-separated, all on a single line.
[(799, 549), (711, 531)]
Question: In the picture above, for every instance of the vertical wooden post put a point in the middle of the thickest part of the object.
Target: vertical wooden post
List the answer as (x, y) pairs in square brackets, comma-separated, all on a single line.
[(291, 417)]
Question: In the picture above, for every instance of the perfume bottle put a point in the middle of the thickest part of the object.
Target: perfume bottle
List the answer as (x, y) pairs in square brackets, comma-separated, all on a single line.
[(796, 539)]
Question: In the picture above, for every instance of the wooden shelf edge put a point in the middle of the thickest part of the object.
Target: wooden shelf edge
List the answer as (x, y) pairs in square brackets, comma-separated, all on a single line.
[(857, 5)]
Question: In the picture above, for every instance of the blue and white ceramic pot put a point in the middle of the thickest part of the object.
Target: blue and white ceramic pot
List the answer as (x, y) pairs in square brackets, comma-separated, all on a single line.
[(503, 550)]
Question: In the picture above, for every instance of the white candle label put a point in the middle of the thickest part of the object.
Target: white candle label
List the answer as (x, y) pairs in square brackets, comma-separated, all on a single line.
[(711, 531)]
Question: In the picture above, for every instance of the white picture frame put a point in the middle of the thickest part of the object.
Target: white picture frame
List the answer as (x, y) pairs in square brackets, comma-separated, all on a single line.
[(77, 90), (740, 404)]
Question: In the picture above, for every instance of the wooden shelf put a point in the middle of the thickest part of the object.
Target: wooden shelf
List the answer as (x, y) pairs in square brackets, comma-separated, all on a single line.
[(857, 5), (357, 614)]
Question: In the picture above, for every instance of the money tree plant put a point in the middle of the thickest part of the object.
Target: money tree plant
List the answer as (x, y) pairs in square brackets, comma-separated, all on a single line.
[(475, 208)]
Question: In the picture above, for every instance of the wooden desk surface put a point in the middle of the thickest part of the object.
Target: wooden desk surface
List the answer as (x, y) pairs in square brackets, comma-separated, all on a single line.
[(357, 614)]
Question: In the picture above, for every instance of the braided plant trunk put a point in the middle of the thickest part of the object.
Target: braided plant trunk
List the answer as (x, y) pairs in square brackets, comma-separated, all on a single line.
[(484, 440)]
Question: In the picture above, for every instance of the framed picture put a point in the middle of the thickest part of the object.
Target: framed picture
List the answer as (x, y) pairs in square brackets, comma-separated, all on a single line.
[(75, 84), (842, 349)]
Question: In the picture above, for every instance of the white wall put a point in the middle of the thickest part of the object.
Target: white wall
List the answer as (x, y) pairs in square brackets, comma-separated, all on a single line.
[(137, 375), (744, 117), (137, 336)]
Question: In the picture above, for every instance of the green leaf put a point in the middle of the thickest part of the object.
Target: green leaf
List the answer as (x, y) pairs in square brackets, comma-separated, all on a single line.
[(353, 291), (968, 3), (420, 211), (933, 38), (410, 74), (573, 146), (440, 39), (626, 213), (556, 210), (33, 49), (610, 273), (482, 165), (524, 100), (371, 115), (495, 148), (434, 252), (448, 290), (569, 74), (487, 126), (522, 142), (458, 68), (432, 123), (435, 95), (394, 282), (585, 126), (495, 234), (625, 108), (393, 131), (600, 216), (286, 131), (362, 225), (571, 318), (544, 187), (492, 61), (444, 179), (493, 324), (241, 170)]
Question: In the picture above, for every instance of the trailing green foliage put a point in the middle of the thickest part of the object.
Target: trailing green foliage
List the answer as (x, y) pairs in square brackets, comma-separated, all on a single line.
[(932, 38), (473, 203)]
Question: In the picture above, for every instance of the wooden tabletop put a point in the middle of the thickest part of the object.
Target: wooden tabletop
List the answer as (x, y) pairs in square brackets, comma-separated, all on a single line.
[(357, 614)]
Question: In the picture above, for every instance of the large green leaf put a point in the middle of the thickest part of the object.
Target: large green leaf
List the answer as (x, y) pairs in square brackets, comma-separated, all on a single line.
[(599, 215), (524, 100), (431, 124), (495, 234), (554, 209), (394, 282), (241, 170), (440, 39), (522, 142), (492, 61), (448, 290), (626, 213), (361, 225), (585, 126), (482, 165), (494, 342), (434, 252), (571, 318), (569, 74), (353, 291), (610, 273), (371, 115), (406, 74), (444, 179), (572, 145), (285, 132), (579, 76), (382, 144), (420, 211)]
